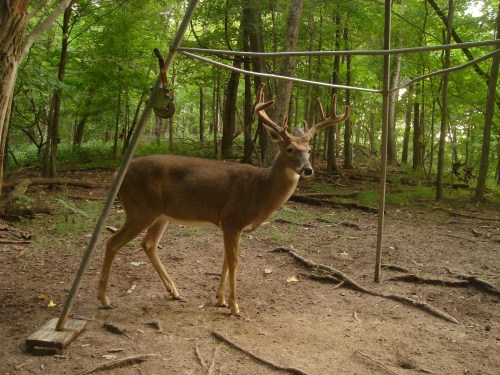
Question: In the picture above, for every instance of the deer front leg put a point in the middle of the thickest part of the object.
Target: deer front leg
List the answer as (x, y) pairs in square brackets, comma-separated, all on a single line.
[(127, 233), (231, 254), (221, 291), (150, 247)]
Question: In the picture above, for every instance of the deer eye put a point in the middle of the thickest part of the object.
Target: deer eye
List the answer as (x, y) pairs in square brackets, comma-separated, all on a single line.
[(289, 149)]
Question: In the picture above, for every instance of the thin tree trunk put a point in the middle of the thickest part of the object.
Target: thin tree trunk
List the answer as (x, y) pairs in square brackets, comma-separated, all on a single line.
[(229, 110), (117, 123), (348, 122), (392, 152), (444, 110), (416, 130), (488, 123), (406, 137), (202, 114), (331, 160), (280, 110)]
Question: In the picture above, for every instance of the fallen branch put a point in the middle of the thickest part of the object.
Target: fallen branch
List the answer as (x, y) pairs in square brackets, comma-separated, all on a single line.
[(292, 370), (354, 285), (327, 203), (127, 361), (15, 242), (468, 216), (54, 181)]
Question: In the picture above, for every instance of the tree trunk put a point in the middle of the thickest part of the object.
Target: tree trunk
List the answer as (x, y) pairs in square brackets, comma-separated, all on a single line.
[(331, 160), (117, 123), (80, 126), (416, 130), (406, 137), (392, 151), (13, 19), (128, 136), (279, 112), (488, 123), (229, 110), (12, 26), (348, 122), (202, 114), (444, 110)]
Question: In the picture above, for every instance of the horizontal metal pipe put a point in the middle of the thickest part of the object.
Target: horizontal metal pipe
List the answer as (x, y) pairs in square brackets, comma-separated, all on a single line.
[(448, 70), (484, 43), (299, 80)]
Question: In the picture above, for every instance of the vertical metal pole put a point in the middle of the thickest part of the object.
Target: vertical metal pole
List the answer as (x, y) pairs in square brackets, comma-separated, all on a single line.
[(385, 126), (123, 169)]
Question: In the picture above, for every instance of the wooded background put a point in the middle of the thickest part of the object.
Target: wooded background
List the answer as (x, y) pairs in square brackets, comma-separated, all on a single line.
[(80, 88)]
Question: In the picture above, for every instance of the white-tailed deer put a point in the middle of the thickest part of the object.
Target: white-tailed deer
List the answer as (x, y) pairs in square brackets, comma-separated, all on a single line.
[(192, 191)]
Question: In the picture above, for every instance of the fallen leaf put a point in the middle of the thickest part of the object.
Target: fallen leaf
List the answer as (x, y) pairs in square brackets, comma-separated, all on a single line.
[(137, 264), (51, 304), (109, 356), (42, 296), (267, 271), (132, 288), (292, 279)]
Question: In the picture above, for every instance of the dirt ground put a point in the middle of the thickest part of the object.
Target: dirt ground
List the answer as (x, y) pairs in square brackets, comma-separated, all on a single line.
[(288, 318)]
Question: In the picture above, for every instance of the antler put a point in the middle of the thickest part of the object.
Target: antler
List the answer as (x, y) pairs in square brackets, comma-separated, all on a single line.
[(332, 120), (260, 110)]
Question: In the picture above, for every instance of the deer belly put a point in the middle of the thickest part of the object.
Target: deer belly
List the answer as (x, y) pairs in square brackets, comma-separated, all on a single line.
[(190, 223)]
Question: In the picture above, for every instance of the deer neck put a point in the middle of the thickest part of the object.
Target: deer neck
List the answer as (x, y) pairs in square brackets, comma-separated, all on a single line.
[(282, 182)]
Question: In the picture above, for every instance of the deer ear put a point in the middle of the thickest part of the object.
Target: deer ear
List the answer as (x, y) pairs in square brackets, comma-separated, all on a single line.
[(275, 136), (298, 132)]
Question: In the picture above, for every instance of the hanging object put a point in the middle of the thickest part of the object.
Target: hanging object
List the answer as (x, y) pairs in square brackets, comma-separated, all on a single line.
[(163, 104)]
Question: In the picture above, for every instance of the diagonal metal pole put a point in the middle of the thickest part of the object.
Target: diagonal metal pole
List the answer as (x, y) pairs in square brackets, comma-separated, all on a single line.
[(385, 127), (123, 168)]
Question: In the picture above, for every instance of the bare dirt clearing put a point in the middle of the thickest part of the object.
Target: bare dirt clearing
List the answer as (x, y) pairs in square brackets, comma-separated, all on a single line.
[(289, 319)]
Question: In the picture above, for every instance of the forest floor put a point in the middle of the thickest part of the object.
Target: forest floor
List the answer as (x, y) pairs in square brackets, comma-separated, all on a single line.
[(289, 317)]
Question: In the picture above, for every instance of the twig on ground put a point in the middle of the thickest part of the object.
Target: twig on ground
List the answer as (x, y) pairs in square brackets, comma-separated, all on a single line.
[(210, 369), (123, 362), (461, 238), (292, 370), (198, 357), (354, 285), (376, 361), (469, 216)]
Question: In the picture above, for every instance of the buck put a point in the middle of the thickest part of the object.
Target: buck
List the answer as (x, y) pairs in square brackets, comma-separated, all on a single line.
[(234, 197)]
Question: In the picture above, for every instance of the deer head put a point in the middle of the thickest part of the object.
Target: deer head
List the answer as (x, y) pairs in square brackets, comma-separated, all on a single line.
[(295, 149)]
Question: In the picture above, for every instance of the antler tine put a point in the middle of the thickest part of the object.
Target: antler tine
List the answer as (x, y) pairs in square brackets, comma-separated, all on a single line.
[(328, 121), (260, 110)]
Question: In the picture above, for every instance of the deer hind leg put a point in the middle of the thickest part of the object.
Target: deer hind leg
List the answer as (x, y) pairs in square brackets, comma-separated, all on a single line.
[(150, 246), (116, 242), (229, 267)]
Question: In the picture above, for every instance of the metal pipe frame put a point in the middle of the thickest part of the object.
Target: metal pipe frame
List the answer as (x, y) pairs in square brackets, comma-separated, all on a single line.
[(398, 51)]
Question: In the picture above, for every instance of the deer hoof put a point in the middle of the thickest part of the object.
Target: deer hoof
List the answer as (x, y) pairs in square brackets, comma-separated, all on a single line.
[(107, 307), (222, 304), (179, 298)]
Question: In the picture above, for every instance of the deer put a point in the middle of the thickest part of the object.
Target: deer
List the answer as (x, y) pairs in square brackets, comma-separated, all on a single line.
[(158, 189)]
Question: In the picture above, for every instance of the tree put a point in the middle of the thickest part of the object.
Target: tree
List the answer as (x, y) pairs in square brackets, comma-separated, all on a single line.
[(14, 46), (488, 121)]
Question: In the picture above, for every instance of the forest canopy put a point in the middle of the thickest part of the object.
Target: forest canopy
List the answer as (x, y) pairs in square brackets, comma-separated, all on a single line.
[(82, 86)]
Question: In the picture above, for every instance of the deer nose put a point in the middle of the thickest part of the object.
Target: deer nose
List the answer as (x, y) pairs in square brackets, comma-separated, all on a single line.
[(307, 171)]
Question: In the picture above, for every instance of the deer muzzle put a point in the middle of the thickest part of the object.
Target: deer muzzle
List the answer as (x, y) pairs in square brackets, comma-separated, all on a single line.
[(307, 171)]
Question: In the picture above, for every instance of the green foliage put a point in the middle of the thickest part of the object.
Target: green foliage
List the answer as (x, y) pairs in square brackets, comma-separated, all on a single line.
[(110, 56)]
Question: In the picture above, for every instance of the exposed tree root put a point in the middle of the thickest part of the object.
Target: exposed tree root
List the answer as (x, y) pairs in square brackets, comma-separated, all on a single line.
[(323, 202), (291, 370), (339, 276), (123, 362), (412, 278), (54, 181), (476, 282)]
